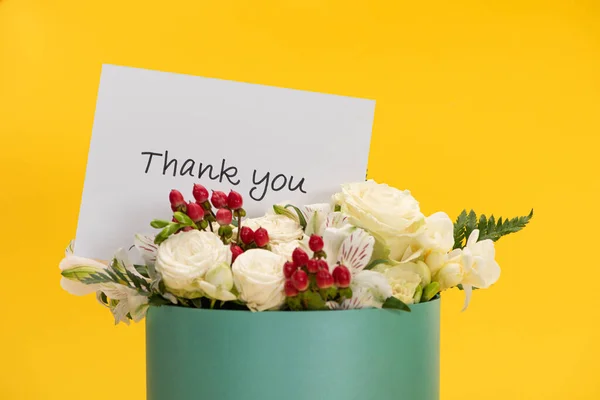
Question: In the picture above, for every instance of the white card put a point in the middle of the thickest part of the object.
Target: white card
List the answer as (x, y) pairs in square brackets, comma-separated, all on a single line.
[(269, 144)]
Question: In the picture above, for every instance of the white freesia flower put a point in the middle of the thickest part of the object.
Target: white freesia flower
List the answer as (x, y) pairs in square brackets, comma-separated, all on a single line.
[(281, 229), (218, 282), (450, 272), (391, 215), (438, 233), (184, 259), (258, 277), (403, 283)]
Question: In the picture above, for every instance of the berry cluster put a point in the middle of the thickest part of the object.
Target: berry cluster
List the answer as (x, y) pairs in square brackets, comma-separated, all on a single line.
[(200, 214), (309, 283)]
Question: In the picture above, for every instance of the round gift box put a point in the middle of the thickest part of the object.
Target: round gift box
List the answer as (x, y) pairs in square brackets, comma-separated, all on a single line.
[(199, 354)]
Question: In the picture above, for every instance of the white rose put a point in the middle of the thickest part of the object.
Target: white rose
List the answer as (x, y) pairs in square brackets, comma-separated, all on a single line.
[(184, 259), (281, 229), (403, 283), (392, 215), (258, 277), (287, 248)]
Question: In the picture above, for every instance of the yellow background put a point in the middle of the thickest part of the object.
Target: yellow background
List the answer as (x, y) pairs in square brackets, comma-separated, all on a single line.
[(492, 105)]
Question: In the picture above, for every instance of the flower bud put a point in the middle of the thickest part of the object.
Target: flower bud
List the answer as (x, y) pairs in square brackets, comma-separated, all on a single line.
[(218, 199), (224, 216), (234, 200), (195, 212), (176, 199), (315, 243), (290, 289), (342, 276), (324, 279), (246, 234), (261, 237), (300, 257), (313, 266), (200, 193), (300, 280), (288, 269), (235, 251)]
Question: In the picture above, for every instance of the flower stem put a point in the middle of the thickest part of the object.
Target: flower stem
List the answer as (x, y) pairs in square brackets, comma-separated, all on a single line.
[(239, 227)]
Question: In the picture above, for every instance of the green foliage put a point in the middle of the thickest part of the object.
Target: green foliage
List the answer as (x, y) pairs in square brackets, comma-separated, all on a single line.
[(376, 262), (296, 214), (430, 291), (488, 227), (395, 304), (301, 218)]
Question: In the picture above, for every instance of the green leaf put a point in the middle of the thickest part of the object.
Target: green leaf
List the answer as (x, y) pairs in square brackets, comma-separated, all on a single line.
[(471, 224), (376, 262), (79, 273), (142, 270), (157, 300), (166, 232), (159, 223), (312, 301), (280, 210), (503, 227), (459, 229), (183, 219), (395, 304), (301, 219), (418, 294)]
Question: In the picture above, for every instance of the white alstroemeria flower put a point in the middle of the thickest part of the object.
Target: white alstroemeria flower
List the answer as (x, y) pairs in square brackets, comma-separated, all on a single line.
[(315, 215), (74, 269)]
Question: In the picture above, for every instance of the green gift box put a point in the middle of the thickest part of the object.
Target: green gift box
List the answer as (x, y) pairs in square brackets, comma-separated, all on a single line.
[(200, 354)]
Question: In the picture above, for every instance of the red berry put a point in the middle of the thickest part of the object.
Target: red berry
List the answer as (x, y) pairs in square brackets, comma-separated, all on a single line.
[(315, 243), (235, 251), (300, 280), (234, 200), (323, 264), (200, 193), (176, 199), (218, 199), (312, 265), (288, 269), (195, 212), (224, 216), (300, 257), (324, 279), (290, 289), (187, 228), (247, 235), (261, 237), (342, 276)]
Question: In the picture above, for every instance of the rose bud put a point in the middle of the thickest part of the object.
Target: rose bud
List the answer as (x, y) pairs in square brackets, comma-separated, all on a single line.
[(300, 280), (235, 251), (195, 212), (315, 243), (176, 199), (218, 199), (290, 289), (247, 235), (234, 200), (342, 276), (200, 193), (261, 237), (323, 264), (312, 266), (324, 279), (288, 269), (300, 257), (224, 216)]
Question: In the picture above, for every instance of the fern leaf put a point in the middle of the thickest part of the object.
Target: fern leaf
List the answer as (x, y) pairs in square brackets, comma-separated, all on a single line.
[(459, 229), (471, 224), (504, 227)]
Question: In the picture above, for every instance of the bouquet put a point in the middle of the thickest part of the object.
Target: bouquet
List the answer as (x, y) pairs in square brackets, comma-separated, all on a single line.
[(368, 247)]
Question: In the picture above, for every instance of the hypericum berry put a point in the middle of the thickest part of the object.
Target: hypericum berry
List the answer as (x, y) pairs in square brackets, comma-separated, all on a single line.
[(235, 251), (234, 200), (342, 276), (288, 269), (224, 216), (261, 237), (312, 266), (300, 257), (176, 199), (195, 212), (315, 243), (187, 228), (246, 234), (290, 289), (218, 199), (323, 265), (324, 279), (300, 280), (200, 193)]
